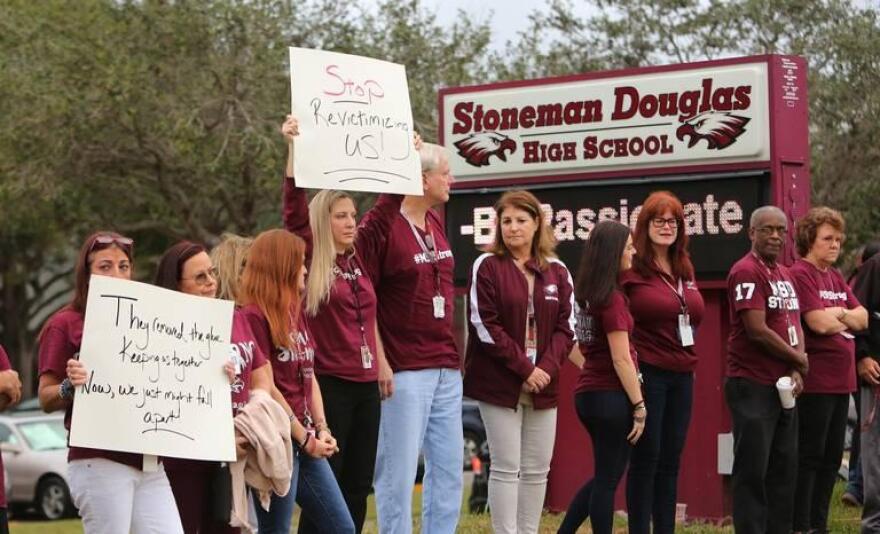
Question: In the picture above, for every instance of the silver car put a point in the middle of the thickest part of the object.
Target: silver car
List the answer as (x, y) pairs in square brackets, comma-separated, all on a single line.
[(34, 448)]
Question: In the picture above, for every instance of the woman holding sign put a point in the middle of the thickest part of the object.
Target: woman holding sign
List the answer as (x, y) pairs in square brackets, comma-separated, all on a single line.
[(521, 315), (608, 397), (340, 307), (186, 267), (110, 489), (270, 295), (667, 308)]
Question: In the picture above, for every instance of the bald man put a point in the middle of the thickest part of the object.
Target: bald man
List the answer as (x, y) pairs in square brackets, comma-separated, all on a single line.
[(765, 343)]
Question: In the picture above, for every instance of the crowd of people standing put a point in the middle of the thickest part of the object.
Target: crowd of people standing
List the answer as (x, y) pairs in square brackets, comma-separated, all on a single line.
[(345, 329)]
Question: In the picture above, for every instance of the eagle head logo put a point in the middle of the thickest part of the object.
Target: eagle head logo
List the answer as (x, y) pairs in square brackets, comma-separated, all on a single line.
[(479, 147), (719, 129)]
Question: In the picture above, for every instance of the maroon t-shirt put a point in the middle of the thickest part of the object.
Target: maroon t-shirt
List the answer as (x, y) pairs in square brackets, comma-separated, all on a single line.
[(655, 305), (592, 328), (348, 318), (752, 285), (292, 369), (406, 281), (832, 358), (247, 356), (4, 366), (60, 342)]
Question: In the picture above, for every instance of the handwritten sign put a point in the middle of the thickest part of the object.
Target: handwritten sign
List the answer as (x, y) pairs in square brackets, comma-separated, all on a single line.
[(156, 383), (355, 124)]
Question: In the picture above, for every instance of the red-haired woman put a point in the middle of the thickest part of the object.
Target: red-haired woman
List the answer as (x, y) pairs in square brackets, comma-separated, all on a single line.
[(270, 295), (521, 329), (110, 489), (186, 267), (667, 308)]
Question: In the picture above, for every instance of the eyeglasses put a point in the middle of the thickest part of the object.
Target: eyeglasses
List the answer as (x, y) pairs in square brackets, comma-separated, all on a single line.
[(770, 230), (660, 222), (205, 277)]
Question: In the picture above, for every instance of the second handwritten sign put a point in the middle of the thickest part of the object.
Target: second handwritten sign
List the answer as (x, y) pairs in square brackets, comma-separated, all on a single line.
[(156, 383), (355, 124)]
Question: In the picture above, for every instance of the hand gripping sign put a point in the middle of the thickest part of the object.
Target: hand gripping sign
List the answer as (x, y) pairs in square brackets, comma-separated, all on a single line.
[(355, 124), (156, 383)]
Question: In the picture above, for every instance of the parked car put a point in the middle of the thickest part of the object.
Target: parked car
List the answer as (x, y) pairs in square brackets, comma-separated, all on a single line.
[(34, 449)]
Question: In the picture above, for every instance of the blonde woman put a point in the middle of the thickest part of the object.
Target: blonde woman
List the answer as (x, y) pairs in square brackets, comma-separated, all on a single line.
[(229, 258), (340, 308)]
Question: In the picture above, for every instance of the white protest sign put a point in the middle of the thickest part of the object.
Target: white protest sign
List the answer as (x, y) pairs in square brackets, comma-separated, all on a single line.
[(156, 383), (355, 124)]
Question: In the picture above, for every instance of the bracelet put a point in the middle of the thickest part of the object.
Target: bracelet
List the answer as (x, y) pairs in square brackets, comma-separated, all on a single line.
[(305, 441), (640, 404), (66, 389), (321, 425)]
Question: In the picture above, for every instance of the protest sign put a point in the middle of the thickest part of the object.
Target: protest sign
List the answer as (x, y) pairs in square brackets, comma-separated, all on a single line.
[(355, 124), (156, 384)]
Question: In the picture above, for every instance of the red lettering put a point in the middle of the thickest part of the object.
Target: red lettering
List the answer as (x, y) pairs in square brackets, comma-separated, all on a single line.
[(741, 94), (648, 106), (621, 94), (462, 111)]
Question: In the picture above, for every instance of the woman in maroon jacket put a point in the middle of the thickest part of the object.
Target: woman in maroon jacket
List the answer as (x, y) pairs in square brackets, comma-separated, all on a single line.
[(520, 332), (608, 397), (186, 267), (667, 308)]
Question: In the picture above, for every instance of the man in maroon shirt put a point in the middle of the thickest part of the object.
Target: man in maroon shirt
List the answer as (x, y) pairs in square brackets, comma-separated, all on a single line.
[(766, 343), (407, 256)]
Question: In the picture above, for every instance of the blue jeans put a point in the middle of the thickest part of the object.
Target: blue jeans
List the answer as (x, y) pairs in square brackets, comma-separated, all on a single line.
[(314, 488), (607, 416), (423, 414), (652, 479), (854, 482)]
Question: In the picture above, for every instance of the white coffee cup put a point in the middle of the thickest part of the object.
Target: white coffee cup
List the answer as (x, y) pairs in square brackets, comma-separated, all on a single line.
[(785, 387)]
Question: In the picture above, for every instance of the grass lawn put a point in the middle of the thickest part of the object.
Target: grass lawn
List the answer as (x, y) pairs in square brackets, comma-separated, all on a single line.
[(843, 520)]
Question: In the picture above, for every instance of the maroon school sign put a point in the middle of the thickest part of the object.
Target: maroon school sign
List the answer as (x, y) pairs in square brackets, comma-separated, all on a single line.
[(725, 136)]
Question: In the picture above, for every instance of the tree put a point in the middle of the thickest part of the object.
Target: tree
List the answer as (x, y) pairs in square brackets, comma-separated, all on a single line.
[(160, 119)]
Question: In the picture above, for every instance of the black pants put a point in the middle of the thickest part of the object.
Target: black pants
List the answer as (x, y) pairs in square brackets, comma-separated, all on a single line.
[(607, 416), (764, 458), (652, 479), (352, 410), (821, 432), (4, 521)]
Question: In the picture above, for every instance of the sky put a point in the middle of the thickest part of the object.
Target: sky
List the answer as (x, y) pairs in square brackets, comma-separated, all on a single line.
[(508, 16)]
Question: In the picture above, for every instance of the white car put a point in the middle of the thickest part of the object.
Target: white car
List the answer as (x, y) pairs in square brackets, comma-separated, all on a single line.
[(34, 448)]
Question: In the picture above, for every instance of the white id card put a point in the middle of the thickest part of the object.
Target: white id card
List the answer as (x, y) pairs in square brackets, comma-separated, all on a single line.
[(685, 330), (439, 307), (366, 357), (532, 354), (792, 336), (847, 335)]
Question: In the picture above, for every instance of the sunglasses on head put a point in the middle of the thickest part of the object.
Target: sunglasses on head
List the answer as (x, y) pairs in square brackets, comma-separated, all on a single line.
[(120, 241)]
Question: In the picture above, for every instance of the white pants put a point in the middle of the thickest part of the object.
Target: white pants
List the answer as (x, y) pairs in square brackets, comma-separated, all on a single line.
[(520, 448), (114, 498)]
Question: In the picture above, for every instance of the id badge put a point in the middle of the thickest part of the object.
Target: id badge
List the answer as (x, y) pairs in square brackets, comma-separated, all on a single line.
[(532, 354), (439, 307), (847, 335), (366, 357), (792, 336), (685, 330)]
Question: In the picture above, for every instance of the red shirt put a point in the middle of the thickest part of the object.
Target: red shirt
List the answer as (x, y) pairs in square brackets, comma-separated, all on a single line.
[(348, 319), (292, 369), (752, 285), (4, 366), (406, 282), (59, 342), (247, 356), (496, 362), (655, 305), (832, 358), (593, 326)]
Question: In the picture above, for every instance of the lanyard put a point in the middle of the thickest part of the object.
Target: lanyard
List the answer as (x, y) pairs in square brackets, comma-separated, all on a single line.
[(678, 292), (785, 311), (429, 248), (352, 278)]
